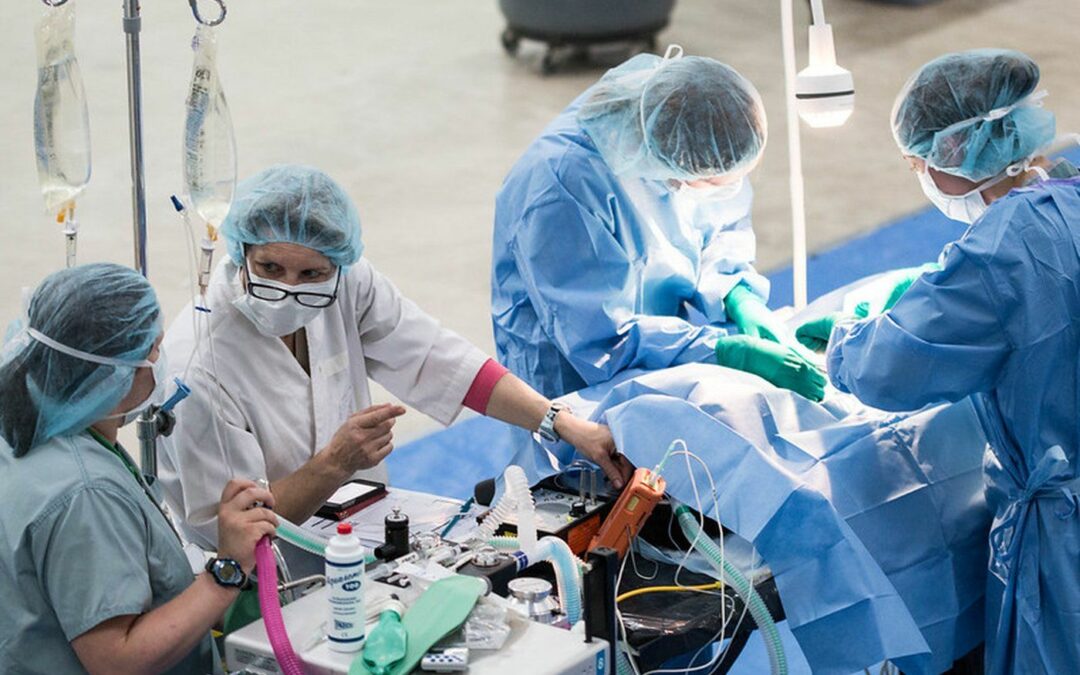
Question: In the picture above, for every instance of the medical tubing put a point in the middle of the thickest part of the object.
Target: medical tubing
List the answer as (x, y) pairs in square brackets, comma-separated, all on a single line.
[(302, 539), (516, 496), (567, 570), (731, 576), (308, 541), (270, 606)]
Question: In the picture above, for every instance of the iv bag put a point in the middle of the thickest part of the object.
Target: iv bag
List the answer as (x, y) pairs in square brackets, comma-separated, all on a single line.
[(209, 143), (61, 120)]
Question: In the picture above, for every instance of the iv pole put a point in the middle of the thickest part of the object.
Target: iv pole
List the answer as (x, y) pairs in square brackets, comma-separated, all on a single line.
[(132, 27)]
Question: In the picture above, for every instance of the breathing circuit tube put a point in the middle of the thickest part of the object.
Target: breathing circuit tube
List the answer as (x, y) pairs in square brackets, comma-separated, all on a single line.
[(567, 570), (516, 498), (731, 576), (271, 609), (307, 541)]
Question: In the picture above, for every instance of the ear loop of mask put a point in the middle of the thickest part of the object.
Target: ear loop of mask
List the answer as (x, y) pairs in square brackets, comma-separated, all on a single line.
[(85, 356)]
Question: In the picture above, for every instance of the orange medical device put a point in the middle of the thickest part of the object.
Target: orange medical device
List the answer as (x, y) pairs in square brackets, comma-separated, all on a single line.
[(629, 513)]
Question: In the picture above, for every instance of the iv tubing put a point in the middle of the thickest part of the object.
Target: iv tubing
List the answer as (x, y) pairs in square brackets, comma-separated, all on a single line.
[(271, 610), (735, 579)]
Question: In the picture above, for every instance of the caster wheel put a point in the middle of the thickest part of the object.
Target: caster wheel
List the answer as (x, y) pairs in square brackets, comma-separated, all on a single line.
[(510, 41), (547, 64)]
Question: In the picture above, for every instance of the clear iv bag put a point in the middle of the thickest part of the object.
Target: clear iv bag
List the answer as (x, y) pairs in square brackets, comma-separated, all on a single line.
[(209, 143), (61, 120)]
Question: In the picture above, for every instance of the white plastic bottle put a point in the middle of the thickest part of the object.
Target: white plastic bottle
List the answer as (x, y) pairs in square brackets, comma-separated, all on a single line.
[(345, 580)]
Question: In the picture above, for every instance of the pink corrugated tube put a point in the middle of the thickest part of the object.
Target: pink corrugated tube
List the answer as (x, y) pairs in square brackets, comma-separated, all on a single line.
[(271, 610)]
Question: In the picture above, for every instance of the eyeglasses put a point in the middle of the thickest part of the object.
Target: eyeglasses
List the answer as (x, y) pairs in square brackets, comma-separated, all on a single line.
[(277, 294)]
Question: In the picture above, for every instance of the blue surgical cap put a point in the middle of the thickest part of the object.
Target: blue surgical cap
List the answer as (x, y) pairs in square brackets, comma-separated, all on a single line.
[(675, 118), (296, 205), (105, 310), (973, 113)]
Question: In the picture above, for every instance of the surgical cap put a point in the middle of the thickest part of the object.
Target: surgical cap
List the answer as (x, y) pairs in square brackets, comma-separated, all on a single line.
[(681, 118), (105, 310), (973, 113), (296, 205)]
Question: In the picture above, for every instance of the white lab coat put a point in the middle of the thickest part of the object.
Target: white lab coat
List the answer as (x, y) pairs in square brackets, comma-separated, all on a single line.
[(272, 416)]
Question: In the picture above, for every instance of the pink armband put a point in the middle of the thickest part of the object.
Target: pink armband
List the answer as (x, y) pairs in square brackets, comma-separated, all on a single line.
[(482, 386)]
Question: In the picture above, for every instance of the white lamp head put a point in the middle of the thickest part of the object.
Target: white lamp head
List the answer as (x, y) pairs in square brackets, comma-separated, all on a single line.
[(824, 92)]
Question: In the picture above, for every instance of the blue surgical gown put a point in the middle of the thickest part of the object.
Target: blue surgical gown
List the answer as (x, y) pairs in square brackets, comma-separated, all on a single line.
[(595, 274), (1001, 321)]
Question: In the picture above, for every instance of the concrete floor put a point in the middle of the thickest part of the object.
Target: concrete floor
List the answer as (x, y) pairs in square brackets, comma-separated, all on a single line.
[(417, 111)]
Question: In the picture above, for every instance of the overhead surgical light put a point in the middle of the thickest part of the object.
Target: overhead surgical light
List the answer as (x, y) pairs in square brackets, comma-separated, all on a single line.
[(823, 95), (824, 92)]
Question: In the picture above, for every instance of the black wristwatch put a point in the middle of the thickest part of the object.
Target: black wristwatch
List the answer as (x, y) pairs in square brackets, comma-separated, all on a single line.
[(227, 572)]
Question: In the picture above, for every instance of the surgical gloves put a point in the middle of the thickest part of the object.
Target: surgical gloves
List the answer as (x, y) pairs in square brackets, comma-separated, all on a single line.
[(780, 365)]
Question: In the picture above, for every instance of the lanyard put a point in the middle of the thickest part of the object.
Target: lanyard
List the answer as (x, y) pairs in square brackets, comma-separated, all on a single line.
[(136, 474)]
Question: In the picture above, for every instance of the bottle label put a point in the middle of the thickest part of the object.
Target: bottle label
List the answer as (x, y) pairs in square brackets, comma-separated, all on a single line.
[(346, 585)]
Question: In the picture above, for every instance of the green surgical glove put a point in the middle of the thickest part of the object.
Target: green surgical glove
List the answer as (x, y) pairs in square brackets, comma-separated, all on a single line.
[(880, 295), (750, 314), (814, 334), (776, 363)]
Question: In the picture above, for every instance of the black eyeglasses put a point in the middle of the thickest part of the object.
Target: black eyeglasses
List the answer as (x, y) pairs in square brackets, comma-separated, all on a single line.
[(277, 294)]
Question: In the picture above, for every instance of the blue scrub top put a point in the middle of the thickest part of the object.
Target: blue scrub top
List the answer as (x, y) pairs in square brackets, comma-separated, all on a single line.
[(1001, 321), (81, 542), (593, 275)]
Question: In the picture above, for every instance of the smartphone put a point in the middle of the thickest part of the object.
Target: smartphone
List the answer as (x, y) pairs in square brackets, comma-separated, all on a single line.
[(350, 498)]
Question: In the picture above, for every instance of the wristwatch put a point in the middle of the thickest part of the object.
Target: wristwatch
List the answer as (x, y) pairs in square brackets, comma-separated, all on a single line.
[(227, 572), (547, 425)]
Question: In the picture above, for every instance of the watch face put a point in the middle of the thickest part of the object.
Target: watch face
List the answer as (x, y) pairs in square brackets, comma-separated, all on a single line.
[(228, 571)]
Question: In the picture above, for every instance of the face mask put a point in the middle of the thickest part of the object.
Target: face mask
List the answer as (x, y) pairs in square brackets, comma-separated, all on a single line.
[(160, 370), (712, 193), (965, 208), (278, 318)]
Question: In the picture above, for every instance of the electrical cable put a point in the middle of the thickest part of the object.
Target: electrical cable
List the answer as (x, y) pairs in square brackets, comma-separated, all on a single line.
[(716, 585)]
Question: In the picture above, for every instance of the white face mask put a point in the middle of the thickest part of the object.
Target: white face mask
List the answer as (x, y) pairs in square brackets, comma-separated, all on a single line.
[(278, 318), (160, 370), (711, 193)]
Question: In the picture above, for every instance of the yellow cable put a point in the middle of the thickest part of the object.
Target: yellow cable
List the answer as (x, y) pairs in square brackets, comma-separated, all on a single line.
[(716, 585)]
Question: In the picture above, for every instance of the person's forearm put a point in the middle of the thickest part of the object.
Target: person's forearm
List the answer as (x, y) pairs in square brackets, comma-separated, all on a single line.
[(157, 640), (514, 402), (300, 494)]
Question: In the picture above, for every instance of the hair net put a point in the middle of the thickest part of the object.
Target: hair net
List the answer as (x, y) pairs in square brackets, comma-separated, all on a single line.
[(110, 313), (973, 113), (681, 118), (297, 205)]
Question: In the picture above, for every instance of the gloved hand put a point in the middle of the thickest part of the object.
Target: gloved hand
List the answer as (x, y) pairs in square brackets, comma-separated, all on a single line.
[(881, 295), (776, 363), (814, 334), (750, 314)]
